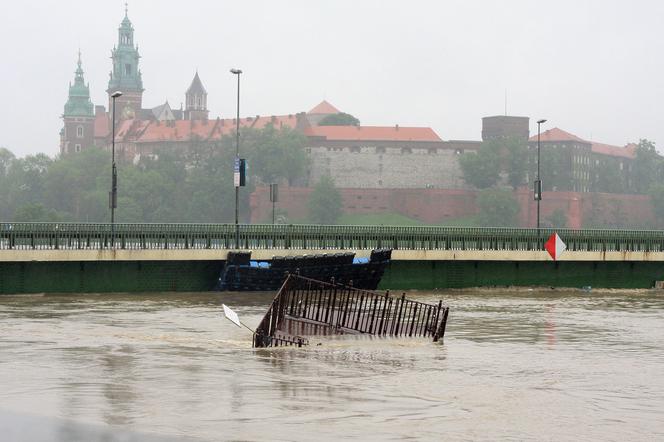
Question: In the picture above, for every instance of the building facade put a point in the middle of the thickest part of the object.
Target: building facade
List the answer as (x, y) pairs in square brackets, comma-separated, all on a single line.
[(362, 157)]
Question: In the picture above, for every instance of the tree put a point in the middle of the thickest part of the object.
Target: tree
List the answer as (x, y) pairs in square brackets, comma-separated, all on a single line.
[(35, 213), (558, 219), (556, 170), (517, 160), (609, 179), (646, 166), (325, 203), (340, 119), (276, 154), (480, 168), (657, 198), (498, 208)]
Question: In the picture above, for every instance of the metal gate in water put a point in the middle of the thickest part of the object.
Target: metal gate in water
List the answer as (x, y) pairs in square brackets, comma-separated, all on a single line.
[(307, 307)]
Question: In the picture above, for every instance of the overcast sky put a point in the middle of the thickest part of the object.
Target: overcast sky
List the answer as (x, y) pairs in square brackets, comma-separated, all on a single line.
[(593, 68)]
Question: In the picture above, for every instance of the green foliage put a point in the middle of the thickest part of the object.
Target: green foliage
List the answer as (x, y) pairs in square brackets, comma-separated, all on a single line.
[(609, 179), (325, 202), (497, 208), (479, 169), (647, 166), (35, 212), (378, 219), (340, 119), (191, 184), (516, 152), (555, 169), (276, 154), (557, 219), (495, 156), (657, 198)]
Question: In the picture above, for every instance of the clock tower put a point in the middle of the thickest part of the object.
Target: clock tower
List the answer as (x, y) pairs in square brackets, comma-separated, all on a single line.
[(125, 76)]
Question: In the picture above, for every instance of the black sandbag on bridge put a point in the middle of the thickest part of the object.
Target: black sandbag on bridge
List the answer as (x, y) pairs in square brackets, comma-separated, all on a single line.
[(307, 307)]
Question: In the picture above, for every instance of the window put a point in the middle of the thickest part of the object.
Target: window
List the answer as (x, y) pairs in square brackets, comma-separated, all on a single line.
[(355, 149), (432, 151), (79, 131), (380, 150), (127, 69), (458, 151), (406, 150), (77, 148)]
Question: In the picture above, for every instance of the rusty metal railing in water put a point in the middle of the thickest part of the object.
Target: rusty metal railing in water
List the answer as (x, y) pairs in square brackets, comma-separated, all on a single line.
[(307, 307)]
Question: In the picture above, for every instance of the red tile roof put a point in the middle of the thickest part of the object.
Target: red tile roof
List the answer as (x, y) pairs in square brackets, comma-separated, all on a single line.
[(557, 134), (324, 108), (627, 151), (149, 131), (373, 133)]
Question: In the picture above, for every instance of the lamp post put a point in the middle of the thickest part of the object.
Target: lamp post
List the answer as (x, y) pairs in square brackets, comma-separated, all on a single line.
[(538, 182), (237, 158), (113, 197)]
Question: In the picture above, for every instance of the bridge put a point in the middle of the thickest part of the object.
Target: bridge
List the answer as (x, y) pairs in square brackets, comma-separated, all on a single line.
[(71, 257)]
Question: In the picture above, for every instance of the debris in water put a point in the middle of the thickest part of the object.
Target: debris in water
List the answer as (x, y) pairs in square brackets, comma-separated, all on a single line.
[(307, 307)]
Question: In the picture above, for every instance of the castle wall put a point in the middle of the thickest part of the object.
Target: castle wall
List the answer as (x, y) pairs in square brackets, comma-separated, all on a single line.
[(436, 206), (393, 165)]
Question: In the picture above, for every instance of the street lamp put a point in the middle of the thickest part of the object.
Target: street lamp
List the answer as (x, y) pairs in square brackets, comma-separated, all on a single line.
[(538, 182), (113, 197), (237, 159)]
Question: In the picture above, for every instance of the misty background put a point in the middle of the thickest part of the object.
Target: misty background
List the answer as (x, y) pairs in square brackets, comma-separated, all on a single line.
[(591, 67)]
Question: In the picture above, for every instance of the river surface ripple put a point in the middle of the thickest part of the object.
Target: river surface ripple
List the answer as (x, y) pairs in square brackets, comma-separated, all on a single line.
[(525, 365)]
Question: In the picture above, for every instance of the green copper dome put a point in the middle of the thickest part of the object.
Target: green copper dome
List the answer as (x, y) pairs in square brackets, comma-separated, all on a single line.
[(125, 75), (79, 104)]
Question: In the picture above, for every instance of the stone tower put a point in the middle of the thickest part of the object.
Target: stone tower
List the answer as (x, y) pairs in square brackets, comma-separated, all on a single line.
[(125, 76), (196, 98), (78, 131)]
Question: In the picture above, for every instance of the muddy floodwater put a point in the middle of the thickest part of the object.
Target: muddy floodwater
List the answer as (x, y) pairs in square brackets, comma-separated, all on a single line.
[(522, 365)]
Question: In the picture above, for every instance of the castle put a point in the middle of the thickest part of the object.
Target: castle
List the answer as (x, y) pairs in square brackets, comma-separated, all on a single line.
[(360, 157)]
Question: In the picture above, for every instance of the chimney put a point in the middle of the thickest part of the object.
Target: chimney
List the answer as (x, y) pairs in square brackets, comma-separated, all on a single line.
[(396, 127)]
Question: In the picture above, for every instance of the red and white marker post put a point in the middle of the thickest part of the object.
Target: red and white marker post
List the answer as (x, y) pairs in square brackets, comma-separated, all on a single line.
[(555, 246)]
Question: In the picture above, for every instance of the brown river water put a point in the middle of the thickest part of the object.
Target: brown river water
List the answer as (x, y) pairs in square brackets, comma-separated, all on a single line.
[(519, 365)]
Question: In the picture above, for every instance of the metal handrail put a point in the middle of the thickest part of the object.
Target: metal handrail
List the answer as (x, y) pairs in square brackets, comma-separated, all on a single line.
[(90, 236)]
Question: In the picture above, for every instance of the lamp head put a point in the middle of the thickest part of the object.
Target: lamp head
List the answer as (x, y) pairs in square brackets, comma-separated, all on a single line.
[(116, 94), (236, 71), (541, 121)]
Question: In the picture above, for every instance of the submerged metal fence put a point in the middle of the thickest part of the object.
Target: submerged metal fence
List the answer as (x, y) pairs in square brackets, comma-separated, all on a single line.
[(307, 307), (83, 236)]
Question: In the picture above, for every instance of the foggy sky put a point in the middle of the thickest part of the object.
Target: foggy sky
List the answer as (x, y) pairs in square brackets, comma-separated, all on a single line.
[(594, 68)]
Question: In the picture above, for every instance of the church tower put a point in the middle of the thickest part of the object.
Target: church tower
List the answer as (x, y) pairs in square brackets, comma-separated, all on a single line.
[(125, 76), (196, 98), (78, 131)]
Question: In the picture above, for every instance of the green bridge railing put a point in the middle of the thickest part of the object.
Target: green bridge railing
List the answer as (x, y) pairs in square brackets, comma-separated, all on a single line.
[(83, 236)]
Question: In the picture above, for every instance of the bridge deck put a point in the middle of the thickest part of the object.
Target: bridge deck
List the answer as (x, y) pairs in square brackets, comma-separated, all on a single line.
[(89, 242)]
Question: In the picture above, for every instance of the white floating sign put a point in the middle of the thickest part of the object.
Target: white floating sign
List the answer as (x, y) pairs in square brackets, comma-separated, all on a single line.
[(231, 315)]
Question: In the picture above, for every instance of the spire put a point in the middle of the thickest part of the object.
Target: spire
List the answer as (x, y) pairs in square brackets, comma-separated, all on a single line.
[(78, 102), (79, 70), (196, 86), (196, 99), (125, 75)]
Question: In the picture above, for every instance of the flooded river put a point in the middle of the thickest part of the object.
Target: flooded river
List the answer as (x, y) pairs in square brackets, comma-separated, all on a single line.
[(526, 365)]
